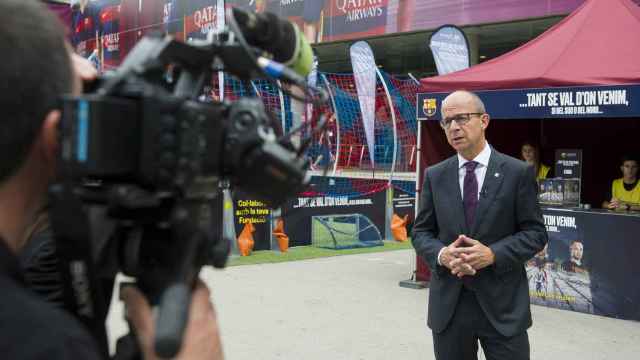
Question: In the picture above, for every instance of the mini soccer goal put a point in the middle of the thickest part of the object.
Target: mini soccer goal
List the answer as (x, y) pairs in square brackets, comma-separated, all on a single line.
[(344, 231)]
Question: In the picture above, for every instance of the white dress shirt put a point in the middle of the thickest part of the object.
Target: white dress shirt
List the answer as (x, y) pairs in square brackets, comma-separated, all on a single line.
[(481, 171)]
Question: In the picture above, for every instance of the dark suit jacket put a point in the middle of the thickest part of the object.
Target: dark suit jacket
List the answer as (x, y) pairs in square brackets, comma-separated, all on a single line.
[(508, 220)]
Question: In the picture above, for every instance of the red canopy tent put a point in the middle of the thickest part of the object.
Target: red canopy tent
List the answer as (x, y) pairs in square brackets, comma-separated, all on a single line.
[(597, 44)]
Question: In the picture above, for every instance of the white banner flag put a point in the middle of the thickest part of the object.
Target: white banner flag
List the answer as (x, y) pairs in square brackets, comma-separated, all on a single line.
[(364, 73), (450, 49), (311, 81)]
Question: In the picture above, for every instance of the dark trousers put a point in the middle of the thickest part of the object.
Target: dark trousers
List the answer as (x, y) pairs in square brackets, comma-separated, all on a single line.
[(459, 341)]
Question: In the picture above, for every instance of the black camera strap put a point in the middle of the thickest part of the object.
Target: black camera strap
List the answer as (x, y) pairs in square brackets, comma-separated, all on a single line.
[(82, 293)]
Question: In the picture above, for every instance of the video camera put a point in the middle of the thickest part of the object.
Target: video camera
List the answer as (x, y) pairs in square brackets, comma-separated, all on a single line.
[(148, 156)]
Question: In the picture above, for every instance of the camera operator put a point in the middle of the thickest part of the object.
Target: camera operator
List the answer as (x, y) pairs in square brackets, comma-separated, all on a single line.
[(37, 69), (37, 251)]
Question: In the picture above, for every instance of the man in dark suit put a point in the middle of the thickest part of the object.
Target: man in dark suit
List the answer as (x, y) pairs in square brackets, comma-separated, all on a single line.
[(479, 222)]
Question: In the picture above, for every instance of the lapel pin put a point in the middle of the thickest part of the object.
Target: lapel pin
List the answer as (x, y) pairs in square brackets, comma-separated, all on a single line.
[(496, 174)]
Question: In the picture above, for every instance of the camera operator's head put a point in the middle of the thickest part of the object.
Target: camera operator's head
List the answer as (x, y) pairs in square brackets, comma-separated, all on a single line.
[(35, 71)]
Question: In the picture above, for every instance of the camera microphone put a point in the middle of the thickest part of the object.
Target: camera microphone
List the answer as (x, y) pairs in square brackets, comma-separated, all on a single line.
[(279, 71), (279, 37)]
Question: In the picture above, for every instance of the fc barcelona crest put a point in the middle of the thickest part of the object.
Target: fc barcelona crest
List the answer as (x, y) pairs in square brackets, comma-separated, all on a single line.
[(429, 106)]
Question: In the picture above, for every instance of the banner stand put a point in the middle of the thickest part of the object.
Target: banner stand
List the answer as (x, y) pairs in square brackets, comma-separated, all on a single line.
[(275, 214), (413, 284)]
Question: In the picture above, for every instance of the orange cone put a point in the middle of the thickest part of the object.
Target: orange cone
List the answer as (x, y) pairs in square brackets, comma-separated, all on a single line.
[(278, 232), (399, 227), (245, 239)]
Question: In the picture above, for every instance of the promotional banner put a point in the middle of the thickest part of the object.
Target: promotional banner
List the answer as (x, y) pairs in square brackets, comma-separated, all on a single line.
[(589, 264), (84, 36), (404, 204), (364, 73), (546, 103), (140, 18), (318, 20), (349, 19), (334, 20), (559, 275), (298, 212), (255, 216), (450, 49), (429, 14), (200, 17), (109, 32), (96, 32)]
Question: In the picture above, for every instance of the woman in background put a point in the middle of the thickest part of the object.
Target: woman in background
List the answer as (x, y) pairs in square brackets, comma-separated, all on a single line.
[(531, 154)]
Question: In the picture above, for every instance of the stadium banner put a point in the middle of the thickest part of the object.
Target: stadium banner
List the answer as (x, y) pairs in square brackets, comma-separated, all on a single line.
[(364, 73), (199, 17), (108, 31), (450, 49), (335, 20), (607, 101), (353, 19), (588, 265), (318, 20), (298, 211)]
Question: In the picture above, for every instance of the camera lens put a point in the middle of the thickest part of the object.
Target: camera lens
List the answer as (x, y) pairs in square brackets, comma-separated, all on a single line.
[(244, 121)]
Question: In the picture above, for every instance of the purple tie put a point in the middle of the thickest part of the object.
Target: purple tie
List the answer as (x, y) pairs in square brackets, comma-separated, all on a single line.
[(470, 193), (470, 202)]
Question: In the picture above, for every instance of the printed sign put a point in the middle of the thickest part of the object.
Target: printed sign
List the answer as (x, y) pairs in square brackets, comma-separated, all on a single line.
[(564, 102), (569, 163), (558, 275), (298, 212), (588, 264)]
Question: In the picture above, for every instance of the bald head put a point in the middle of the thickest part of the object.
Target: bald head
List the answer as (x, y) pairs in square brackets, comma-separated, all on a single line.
[(464, 97), (464, 121)]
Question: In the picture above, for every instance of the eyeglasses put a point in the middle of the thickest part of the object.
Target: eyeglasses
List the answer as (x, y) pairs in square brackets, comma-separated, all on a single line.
[(460, 119)]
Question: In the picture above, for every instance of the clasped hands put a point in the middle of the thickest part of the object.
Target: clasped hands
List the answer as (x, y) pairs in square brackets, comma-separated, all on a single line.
[(466, 256)]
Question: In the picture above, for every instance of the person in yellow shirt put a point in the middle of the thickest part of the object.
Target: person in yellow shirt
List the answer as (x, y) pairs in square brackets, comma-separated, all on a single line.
[(625, 192), (531, 154)]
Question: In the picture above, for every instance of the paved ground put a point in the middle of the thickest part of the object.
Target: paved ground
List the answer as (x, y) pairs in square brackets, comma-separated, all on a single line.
[(351, 308)]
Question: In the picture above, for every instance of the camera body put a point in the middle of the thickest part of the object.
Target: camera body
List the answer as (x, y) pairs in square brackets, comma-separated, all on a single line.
[(177, 147)]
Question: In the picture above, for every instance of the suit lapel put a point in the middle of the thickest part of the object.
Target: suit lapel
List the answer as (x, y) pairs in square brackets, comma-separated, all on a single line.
[(492, 182), (452, 184)]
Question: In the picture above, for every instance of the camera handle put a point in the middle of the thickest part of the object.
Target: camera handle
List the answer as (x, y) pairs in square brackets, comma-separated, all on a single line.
[(173, 311), (170, 290)]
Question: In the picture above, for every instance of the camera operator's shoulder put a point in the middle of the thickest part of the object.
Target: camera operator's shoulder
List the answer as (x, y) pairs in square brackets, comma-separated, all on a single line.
[(33, 329)]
